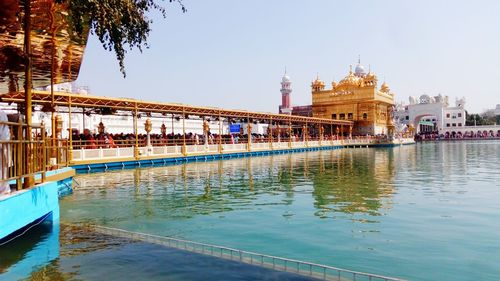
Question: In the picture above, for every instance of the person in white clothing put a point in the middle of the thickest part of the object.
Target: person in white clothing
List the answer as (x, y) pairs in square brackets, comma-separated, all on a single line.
[(4, 156)]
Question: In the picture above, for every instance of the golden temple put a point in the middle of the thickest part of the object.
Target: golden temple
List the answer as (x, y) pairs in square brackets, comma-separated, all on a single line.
[(355, 98)]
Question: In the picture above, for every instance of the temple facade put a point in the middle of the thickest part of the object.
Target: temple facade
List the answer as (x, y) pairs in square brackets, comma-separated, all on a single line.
[(355, 98)]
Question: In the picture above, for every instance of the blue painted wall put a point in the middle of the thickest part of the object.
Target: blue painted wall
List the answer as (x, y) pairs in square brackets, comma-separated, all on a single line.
[(24, 207)]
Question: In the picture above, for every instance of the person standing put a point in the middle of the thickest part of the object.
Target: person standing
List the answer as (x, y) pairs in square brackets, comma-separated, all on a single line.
[(4, 156)]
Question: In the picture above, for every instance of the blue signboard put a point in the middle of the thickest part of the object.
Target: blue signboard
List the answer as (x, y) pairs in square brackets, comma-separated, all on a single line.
[(234, 128)]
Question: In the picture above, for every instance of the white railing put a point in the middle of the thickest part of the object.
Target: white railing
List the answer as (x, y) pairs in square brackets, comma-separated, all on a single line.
[(319, 271), (358, 141), (176, 150), (260, 146), (234, 147)]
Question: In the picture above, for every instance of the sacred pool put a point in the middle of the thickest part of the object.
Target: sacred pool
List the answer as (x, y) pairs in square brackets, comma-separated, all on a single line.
[(419, 212)]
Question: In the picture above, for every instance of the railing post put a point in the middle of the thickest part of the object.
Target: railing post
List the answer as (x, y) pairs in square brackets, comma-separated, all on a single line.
[(220, 134), (69, 153), (136, 145), (184, 151), (270, 133), (321, 132), (44, 152), (20, 153), (331, 133), (306, 134), (249, 135), (28, 71)]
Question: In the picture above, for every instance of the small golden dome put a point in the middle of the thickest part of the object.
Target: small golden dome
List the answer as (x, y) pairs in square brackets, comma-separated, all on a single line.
[(350, 79), (318, 82), (371, 75), (385, 88)]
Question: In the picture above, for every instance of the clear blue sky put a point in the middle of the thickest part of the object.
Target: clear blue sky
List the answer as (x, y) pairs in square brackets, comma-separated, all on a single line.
[(232, 54)]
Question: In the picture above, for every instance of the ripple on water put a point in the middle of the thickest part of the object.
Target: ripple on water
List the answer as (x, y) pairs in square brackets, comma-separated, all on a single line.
[(423, 212)]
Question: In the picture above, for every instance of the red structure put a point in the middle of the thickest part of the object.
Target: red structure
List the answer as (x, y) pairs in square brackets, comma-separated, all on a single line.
[(286, 106), (286, 90)]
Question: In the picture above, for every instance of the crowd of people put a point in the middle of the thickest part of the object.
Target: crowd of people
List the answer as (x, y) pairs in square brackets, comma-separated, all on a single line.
[(88, 140), (430, 136)]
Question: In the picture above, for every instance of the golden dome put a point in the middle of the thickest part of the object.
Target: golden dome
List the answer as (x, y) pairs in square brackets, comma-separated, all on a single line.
[(318, 85), (371, 75), (350, 79), (318, 82), (385, 88)]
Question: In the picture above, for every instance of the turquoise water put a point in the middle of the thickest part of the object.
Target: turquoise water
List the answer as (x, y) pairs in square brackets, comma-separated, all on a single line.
[(85, 255), (421, 212)]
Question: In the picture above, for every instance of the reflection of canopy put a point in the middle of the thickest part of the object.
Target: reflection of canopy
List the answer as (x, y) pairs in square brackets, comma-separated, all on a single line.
[(49, 29), (87, 101)]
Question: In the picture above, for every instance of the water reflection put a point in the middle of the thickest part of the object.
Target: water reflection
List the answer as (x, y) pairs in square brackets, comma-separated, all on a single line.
[(34, 250), (51, 37), (341, 181), (354, 182), (311, 206)]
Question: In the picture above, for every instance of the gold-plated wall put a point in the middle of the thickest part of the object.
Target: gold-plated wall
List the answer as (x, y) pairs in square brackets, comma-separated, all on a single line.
[(355, 98)]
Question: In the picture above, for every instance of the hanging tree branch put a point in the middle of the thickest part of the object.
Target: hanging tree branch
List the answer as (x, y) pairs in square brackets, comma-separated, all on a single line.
[(119, 24)]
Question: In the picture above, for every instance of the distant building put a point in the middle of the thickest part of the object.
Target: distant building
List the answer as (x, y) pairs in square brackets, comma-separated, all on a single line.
[(431, 113), (303, 110), (497, 114), (356, 98), (119, 122), (68, 87)]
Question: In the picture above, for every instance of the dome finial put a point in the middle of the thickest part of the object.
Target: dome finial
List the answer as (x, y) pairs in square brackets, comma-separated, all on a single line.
[(359, 59), (286, 78), (350, 69)]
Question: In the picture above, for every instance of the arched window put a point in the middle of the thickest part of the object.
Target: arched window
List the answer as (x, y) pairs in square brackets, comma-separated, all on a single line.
[(365, 116)]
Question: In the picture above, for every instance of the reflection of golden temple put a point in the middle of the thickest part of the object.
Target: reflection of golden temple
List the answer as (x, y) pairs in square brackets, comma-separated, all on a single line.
[(351, 185), (340, 181)]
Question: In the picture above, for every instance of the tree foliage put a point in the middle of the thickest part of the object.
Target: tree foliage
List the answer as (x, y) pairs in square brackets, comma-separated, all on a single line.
[(486, 118), (120, 25)]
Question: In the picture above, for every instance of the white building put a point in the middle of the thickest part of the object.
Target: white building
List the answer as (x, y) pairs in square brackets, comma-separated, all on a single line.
[(123, 122), (429, 113)]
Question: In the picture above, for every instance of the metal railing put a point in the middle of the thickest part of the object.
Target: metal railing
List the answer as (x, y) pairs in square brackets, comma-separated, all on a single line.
[(319, 271), (26, 161)]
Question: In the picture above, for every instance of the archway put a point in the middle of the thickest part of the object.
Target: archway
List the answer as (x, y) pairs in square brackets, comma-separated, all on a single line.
[(425, 123)]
